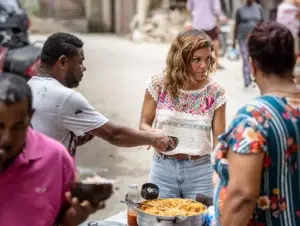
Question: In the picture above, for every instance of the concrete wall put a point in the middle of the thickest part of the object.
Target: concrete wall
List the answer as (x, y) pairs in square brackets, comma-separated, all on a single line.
[(99, 14), (110, 15), (124, 10), (62, 9)]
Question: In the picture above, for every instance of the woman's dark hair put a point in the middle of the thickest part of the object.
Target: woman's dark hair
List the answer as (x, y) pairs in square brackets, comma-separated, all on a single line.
[(271, 47)]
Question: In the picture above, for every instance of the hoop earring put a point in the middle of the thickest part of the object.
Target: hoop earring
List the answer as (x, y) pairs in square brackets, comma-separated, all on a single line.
[(253, 78)]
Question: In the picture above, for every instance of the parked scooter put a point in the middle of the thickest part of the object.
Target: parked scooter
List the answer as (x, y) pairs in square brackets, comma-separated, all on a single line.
[(24, 61)]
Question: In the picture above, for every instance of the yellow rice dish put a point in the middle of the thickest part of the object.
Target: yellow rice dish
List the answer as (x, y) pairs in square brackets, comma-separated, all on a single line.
[(173, 207)]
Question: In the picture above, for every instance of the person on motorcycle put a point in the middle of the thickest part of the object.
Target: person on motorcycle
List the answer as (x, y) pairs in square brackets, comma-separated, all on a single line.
[(247, 17), (64, 114)]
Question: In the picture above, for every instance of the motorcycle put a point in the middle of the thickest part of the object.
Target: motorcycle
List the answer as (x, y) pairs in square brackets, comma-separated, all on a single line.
[(24, 61), (17, 55)]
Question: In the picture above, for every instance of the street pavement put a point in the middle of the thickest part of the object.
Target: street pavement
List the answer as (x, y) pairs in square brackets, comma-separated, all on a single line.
[(114, 85)]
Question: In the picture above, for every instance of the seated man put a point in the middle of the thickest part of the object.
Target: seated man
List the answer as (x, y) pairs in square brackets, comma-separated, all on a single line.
[(35, 171)]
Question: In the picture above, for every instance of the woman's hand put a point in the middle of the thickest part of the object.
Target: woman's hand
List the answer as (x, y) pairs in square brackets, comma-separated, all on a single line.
[(162, 141), (78, 212)]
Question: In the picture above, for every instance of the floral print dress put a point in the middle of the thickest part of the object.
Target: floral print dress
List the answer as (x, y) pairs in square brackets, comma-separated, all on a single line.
[(271, 125)]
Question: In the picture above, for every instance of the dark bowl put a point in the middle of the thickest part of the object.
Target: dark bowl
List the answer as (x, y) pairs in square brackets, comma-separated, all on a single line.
[(150, 195), (176, 141), (94, 193)]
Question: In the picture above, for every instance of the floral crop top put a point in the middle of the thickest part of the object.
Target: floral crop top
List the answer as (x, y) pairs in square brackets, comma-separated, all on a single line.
[(189, 117)]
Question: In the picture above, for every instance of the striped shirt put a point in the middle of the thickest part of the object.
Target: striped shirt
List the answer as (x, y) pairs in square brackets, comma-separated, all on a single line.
[(270, 125)]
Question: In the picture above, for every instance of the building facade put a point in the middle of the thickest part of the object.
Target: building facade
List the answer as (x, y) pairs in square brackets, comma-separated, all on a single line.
[(115, 15)]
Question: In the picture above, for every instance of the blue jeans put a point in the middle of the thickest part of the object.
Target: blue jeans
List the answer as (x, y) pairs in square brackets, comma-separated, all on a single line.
[(182, 178)]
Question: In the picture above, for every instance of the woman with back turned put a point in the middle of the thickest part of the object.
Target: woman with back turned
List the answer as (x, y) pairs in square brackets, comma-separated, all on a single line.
[(258, 157)]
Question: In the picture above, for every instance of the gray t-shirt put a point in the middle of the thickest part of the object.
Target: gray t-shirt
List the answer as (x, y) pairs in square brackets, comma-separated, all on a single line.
[(246, 18)]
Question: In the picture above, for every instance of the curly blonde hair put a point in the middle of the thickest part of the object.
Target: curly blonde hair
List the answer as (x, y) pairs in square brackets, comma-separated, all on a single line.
[(178, 69)]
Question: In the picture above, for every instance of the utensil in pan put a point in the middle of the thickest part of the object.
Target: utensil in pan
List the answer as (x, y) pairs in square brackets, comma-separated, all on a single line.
[(204, 199), (139, 204)]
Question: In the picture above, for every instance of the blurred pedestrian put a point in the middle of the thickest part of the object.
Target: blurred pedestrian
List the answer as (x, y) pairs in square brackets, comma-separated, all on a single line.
[(246, 19), (205, 16)]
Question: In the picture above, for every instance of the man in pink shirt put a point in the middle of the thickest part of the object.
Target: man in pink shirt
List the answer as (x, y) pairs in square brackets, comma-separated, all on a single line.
[(35, 171)]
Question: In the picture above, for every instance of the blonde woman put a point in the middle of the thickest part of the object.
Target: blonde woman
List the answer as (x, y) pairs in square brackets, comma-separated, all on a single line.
[(184, 102)]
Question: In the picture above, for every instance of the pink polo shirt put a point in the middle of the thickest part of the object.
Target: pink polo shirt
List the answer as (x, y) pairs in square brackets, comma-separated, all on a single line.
[(33, 188)]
